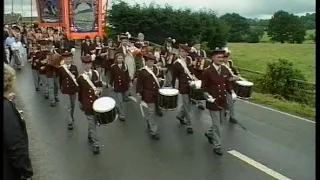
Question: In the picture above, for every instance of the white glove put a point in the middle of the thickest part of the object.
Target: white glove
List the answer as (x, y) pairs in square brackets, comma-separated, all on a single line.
[(73, 50), (234, 95), (211, 99), (93, 57)]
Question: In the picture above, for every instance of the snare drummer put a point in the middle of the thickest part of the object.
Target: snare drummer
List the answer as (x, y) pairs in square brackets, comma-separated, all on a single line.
[(180, 70), (215, 80), (236, 76), (148, 84), (68, 84), (119, 82), (89, 90)]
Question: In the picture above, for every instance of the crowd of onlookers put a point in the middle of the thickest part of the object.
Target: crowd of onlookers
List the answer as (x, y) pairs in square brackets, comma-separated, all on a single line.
[(16, 159)]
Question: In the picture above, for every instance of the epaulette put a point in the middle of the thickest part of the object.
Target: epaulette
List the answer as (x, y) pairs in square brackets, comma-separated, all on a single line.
[(113, 64)]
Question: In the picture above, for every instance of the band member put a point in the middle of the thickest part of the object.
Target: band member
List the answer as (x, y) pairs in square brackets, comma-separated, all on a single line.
[(68, 84), (148, 84), (98, 55), (120, 81), (181, 71), (129, 59), (199, 51), (85, 46), (215, 80), (53, 81), (42, 70), (168, 57), (17, 50), (109, 59), (35, 65), (89, 90), (229, 64)]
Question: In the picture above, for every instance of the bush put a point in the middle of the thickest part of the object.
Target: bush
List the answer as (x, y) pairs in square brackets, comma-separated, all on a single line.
[(278, 79)]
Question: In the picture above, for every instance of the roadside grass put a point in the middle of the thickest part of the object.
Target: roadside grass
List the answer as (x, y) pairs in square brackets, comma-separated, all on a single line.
[(284, 105), (256, 56)]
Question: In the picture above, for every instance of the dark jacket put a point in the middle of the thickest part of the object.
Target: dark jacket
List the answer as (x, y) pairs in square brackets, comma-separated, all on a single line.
[(16, 160)]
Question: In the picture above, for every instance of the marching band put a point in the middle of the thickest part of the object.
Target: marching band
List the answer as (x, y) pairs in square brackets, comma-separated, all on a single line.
[(153, 73)]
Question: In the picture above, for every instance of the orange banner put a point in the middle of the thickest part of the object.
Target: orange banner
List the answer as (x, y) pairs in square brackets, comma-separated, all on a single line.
[(104, 15), (50, 13), (83, 18)]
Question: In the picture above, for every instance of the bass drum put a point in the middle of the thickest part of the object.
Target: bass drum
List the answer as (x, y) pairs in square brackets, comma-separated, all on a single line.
[(243, 89), (104, 110), (168, 98)]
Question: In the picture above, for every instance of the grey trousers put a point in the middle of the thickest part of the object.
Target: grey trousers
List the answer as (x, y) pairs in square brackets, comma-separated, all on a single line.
[(92, 129), (185, 110), (230, 105), (16, 61), (168, 78), (214, 130), (150, 117), (71, 106), (36, 78), (44, 83), (53, 88), (119, 97)]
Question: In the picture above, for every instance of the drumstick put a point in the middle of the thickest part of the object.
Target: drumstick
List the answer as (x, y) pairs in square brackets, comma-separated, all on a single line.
[(141, 109)]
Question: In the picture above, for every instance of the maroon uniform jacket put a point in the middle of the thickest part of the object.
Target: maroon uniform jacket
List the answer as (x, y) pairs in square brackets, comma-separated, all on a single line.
[(109, 60), (179, 72), (67, 80), (86, 93), (42, 68), (169, 57), (217, 86), (35, 63), (147, 86), (119, 78)]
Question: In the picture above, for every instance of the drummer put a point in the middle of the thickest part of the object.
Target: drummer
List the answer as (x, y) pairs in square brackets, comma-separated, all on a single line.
[(228, 63), (69, 72), (215, 80), (148, 84), (119, 82), (180, 70), (89, 90)]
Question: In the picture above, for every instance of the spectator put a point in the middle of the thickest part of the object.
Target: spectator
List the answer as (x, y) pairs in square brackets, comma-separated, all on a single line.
[(16, 160)]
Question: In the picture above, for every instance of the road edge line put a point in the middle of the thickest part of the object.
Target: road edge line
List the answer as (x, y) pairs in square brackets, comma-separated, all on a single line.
[(258, 165), (281, 112)]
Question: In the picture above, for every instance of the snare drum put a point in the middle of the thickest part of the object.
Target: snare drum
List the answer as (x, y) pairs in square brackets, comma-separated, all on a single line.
[(104, 110), (168, 98), (243, 89), (196, 93)]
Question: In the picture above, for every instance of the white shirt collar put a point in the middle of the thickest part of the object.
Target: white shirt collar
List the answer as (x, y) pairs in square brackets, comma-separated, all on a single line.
[(216, 66)]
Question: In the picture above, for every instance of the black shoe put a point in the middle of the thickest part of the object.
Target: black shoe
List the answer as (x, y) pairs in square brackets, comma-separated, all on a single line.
[(192, 102), (201, 107), (182, 121), (189, 130), (217, 151), (122, 119), (233, 120), (90, 139), (37, 89), (96, 149), (155, 136), (210, 139), (56, 99), (46, 96), (159, 113), (53, 104), (70, 126)]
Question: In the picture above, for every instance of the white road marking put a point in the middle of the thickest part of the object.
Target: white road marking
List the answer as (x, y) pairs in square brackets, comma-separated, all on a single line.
[(261, 106), (257, 165)]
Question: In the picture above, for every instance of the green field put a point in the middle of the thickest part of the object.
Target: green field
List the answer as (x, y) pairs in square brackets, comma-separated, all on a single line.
[(256, 56)]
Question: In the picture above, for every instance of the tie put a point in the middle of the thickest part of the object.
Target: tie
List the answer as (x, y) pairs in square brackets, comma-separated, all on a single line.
[(219, 70)]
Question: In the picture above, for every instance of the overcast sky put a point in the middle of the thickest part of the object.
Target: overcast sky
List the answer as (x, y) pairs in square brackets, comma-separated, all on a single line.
[(248, 8)]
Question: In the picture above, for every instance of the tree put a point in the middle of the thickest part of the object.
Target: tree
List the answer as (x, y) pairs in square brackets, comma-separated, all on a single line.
[(255, 34), (158, 23), (285, 27), (239, 27)]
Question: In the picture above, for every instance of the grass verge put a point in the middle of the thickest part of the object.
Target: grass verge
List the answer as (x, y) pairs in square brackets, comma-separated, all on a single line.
[(284, 105)]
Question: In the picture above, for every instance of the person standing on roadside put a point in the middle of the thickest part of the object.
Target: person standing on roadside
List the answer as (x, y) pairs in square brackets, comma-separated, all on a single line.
[(16, 160)]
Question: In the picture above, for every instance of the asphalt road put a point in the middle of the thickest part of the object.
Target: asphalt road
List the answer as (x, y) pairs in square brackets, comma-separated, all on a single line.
[(281, 143)]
